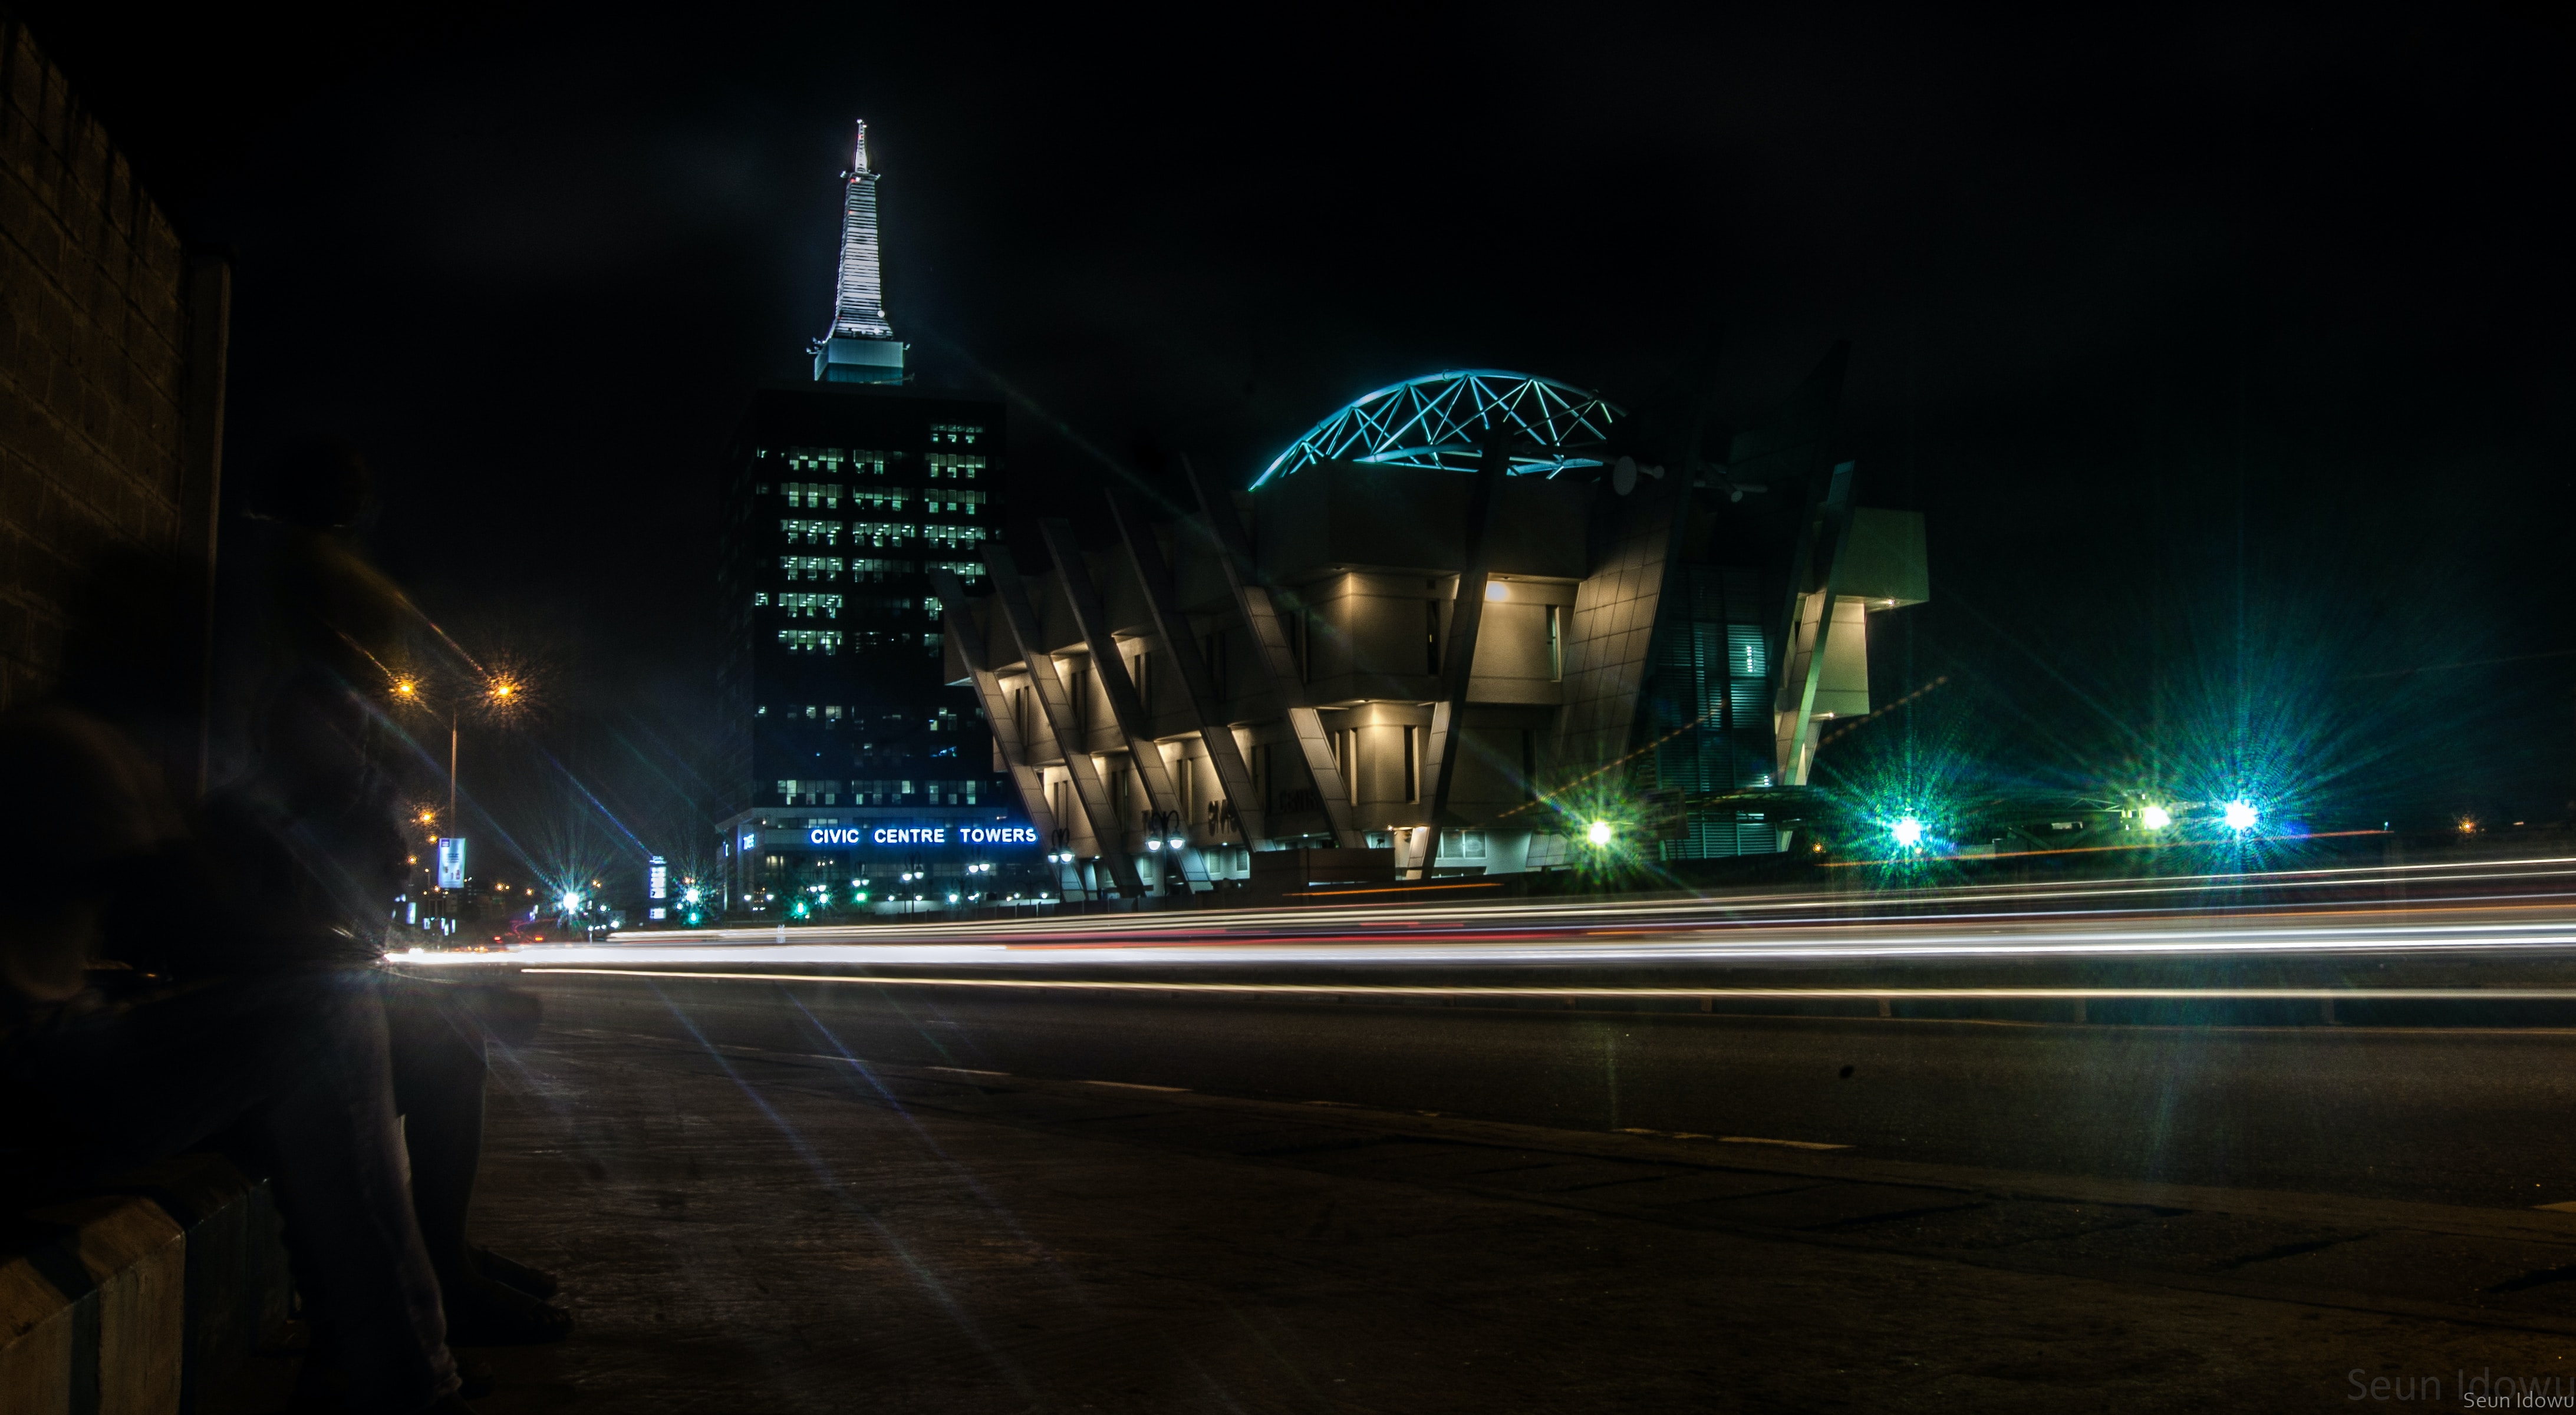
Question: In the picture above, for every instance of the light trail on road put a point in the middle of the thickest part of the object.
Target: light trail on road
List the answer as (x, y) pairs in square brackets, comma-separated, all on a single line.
[(1392, 990), (2524, 908)]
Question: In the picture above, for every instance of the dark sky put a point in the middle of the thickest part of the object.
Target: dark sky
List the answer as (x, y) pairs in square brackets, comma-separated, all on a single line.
[(2227, 352)]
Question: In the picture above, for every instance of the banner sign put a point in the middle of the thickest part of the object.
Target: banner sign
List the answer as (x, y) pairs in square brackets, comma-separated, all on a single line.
[(451, 862)]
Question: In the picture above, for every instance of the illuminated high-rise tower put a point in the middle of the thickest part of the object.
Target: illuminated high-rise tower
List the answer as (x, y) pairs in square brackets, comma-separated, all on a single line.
[(860, 347), (851, 764)]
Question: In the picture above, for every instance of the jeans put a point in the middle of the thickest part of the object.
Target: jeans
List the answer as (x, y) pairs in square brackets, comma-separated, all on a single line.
[(440, 1043), (294, 1066)]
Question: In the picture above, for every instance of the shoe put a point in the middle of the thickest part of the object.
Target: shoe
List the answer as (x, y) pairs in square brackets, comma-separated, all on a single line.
[(474, 1372), (481, 1312), (532, 1281)]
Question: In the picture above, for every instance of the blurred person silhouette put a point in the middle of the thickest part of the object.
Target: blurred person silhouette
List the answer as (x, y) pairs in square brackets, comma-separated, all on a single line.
[(306, 814), (103, 1067)]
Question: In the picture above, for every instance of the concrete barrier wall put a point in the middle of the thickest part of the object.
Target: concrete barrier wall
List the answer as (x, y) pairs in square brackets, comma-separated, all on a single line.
[(146, 1300)]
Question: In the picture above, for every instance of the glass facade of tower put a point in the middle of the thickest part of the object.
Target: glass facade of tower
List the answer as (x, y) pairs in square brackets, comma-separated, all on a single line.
[(851, 769)]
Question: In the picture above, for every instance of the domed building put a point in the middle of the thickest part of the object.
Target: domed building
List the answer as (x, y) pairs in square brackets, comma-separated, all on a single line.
[(1440, 634)]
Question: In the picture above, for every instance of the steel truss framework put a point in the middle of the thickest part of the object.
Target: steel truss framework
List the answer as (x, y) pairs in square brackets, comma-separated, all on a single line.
[(1437, 420)]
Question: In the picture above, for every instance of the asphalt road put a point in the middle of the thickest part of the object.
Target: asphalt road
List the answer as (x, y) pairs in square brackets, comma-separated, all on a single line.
[(2477, 1117)]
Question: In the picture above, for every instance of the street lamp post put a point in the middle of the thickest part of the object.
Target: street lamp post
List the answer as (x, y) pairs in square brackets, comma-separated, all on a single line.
[(501, 693)]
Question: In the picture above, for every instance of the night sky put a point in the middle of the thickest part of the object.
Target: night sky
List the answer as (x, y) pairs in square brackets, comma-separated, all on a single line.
[(2228, 354)]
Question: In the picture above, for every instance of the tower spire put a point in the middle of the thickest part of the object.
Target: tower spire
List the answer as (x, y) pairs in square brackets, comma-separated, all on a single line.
[(861, 347)]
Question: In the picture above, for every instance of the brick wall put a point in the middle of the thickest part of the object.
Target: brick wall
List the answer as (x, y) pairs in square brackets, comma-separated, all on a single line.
[(111, 367)]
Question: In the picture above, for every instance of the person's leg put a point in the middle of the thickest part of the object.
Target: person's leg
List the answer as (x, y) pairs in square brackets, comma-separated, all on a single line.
[(299, 1061), (439, 1072)]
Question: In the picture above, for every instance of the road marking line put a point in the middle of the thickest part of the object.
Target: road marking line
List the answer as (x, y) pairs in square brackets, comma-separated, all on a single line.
[(1792, 1144), (966, 1071), (2566, 1208), (1744, 1140), (1136, 1086)]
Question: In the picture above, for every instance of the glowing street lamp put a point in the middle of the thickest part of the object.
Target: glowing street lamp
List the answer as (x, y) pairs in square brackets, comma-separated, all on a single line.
[(1599, 833), (2240, 816), (2155, 817), (1907, 832)]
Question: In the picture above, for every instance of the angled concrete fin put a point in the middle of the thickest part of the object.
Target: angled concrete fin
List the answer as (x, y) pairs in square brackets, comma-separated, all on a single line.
[(1278, 660), (1012, 595), (969, 639), (1458, 662), (1091, 620), (1172, 626)]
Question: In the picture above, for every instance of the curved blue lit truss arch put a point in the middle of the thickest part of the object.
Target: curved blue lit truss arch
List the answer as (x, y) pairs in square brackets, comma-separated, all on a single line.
[(1437, 420)]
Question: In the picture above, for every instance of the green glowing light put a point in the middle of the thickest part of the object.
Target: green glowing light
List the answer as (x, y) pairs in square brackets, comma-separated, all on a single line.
[(1908, 832), (1599, 834), (2156, 817), (2240, 816)]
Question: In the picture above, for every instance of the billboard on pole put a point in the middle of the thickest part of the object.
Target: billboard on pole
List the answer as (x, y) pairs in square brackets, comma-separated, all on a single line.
[(451, 862)]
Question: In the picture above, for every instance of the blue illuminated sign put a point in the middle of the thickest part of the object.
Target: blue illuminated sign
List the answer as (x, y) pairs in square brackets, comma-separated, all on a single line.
[(984, 835), (451, 862)]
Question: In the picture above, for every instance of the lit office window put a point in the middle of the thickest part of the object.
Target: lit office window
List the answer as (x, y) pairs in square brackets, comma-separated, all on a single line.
[(810, 567), (810, 606), (823, 641)]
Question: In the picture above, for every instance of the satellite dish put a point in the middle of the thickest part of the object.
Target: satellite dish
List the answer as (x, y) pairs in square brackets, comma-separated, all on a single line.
[(1623, 475)]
